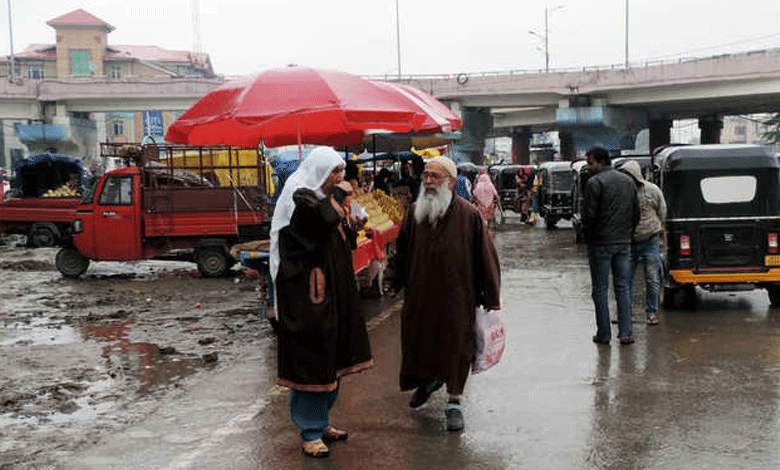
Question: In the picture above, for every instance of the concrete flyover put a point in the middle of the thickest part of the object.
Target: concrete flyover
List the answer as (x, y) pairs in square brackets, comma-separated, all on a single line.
[(54, 109), (614, 103)]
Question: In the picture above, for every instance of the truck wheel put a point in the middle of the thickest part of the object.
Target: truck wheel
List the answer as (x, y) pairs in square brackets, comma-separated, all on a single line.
[(212, 261), (774, 294), (42, 235), (71, 263)]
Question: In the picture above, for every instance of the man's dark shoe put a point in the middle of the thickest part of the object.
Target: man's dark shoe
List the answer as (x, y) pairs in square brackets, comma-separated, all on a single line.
[(597, 340), (454, 419), (423, 392), (627, 340)]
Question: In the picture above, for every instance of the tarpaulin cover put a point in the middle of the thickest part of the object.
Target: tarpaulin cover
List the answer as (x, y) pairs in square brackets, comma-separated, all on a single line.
[(39, 173)]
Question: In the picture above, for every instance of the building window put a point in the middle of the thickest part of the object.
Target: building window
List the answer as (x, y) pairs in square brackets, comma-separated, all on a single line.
[(117, 128), (740, 130), (79, 62), (35, 72), (115, 71)]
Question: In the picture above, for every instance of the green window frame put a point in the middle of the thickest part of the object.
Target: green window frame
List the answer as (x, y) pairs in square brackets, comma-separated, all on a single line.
[(79, 62)]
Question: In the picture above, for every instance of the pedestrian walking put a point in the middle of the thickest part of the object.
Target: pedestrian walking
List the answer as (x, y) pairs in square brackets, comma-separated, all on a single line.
[(446, 261), (523, 194), (611, 212), (486, 196), (463, 187), (646, 243), (322, 335)]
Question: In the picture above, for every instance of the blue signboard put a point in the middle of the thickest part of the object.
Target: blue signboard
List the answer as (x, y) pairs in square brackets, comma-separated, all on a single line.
[(153, 123)]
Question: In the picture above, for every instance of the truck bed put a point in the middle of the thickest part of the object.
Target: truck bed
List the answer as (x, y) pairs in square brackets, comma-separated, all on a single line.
[(201, 211), (39, 209)]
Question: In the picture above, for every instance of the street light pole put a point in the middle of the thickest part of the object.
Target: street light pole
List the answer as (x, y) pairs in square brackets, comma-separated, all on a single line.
[(546, 36), (11, 41), (546, 41), (626, 33), (398, 37)]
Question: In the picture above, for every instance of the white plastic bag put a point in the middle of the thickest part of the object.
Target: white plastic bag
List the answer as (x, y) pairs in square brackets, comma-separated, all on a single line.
[(491, 339)]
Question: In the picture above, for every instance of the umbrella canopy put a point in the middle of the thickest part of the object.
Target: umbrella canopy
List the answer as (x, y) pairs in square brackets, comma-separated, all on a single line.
[(293, 105)]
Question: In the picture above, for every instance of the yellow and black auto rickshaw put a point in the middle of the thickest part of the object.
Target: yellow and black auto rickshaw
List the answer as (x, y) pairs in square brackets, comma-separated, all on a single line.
[(723, 220)]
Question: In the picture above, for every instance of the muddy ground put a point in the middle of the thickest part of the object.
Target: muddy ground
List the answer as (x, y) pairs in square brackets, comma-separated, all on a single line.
[(80, 358)]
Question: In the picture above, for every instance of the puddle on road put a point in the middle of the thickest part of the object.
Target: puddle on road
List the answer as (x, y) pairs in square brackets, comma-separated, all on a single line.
[(39, 331), (148, 365)]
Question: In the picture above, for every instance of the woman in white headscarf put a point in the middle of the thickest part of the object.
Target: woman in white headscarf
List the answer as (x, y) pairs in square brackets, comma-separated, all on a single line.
[(321, 334)]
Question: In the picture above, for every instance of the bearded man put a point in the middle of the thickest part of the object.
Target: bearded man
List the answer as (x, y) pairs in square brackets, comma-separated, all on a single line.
[(446, 261)]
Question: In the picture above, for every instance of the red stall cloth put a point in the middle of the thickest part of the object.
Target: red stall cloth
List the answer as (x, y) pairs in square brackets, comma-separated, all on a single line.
[(366, 251), (373, 248)]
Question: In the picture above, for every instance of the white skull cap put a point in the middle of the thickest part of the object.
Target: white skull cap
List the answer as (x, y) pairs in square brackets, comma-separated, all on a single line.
[(447, 163)]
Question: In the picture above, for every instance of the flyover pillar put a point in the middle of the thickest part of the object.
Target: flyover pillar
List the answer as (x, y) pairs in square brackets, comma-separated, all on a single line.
[(477, 123), (660, 133), (568, 151), (710, 129), (521, 146)]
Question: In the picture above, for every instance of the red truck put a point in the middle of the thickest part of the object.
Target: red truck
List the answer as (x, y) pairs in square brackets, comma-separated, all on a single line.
[(42, 203), (172, 202)]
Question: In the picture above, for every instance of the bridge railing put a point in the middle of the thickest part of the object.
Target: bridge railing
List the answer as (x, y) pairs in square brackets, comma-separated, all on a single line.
[(560, 70)]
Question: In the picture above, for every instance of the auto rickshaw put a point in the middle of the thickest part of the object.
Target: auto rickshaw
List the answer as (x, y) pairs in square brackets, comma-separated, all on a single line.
[(555, 201), (723, 220), (503, 177), (579, 176)]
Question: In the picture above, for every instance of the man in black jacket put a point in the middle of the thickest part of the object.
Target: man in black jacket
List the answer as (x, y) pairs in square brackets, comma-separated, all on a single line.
[(611, 213)]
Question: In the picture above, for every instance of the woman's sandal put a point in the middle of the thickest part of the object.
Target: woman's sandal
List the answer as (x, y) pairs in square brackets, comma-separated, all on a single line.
[(332, 434), (652, 320), (316, 449)]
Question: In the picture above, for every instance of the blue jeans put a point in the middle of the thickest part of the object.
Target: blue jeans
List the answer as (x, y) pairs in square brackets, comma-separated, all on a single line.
[(648, 253), (602, 258), (310, 412)]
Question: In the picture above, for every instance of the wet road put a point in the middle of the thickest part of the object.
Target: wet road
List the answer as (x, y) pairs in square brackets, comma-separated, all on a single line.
[(700, 390)]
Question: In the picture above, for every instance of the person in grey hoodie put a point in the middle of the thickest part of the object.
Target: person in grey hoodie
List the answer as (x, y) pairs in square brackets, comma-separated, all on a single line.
[(646, 243)]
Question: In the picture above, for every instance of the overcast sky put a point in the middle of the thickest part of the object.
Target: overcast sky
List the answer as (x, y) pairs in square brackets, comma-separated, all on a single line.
[(359, 36)]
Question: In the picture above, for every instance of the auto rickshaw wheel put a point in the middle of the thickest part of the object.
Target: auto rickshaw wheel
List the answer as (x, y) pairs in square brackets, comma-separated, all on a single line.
[(668, 295), (774, 294), (690, 299)]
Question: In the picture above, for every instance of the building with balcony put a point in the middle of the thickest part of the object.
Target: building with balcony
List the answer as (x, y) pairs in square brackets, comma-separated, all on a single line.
[(70, 95)]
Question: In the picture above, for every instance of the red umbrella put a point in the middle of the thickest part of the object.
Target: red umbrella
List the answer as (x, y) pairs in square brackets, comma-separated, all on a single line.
[(303, 105)]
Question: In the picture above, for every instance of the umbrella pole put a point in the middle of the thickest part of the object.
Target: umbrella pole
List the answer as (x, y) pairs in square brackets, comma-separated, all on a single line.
[(300, 147)]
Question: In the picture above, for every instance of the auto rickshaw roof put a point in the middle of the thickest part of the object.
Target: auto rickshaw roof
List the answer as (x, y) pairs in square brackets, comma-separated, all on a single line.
[(556, 166), (508, 168), (716, 156)]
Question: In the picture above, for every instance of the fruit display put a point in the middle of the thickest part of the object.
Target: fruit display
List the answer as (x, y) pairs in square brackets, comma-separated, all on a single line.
[(62, 191), (383, 211)]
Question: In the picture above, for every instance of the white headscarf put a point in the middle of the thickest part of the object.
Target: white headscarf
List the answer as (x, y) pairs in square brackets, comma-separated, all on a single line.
[(311, 175)]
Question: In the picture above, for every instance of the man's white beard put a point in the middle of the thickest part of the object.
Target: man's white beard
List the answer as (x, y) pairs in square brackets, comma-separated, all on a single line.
[(432, 206)]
